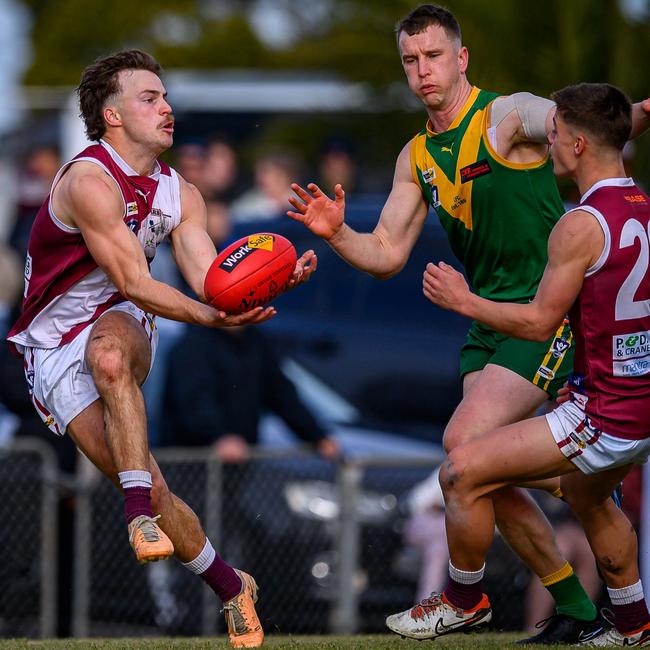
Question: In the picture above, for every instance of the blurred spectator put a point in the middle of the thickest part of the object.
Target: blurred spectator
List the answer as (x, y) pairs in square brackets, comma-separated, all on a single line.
[(8, 192), (220, 382), (274, 173), (221, 171), (34, 183), (10, 285), (337, 164), (190, 163), (219, 223), (425, 531)]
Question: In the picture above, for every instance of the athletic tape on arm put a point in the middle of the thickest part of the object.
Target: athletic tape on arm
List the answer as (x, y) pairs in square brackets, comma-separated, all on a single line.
[(532, 112)]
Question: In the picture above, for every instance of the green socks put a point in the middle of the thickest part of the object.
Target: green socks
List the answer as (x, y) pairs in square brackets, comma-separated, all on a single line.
[(570, 597)]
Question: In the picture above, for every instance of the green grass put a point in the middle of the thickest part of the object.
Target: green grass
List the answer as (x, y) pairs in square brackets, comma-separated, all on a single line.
[(486, 641)]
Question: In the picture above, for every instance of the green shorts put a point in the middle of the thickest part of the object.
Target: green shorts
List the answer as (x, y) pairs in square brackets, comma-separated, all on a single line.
[(546, 364)]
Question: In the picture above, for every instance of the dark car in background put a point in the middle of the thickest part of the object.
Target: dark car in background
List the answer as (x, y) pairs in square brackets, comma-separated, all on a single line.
[(380, 344)]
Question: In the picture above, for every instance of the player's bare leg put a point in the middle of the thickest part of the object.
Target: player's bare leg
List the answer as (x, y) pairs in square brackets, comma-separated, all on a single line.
[(473, 471), (118, 355), (609, 532), (111, 432), (496, 397)]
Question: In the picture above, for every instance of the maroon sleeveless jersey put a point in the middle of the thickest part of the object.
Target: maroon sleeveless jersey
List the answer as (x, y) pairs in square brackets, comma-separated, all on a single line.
[(65, 290), (610, 319)]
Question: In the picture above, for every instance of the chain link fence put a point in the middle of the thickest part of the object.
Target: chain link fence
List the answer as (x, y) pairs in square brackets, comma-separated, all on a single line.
[(28, 538), (325, 542)]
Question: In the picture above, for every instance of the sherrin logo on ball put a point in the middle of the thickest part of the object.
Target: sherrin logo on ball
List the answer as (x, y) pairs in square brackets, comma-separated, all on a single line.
[(249, 273)]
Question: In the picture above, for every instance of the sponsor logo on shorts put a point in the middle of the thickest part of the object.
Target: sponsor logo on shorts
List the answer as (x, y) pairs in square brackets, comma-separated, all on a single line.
[(559, 346), (546, 372), (236, 257), (265, 242), (479, 168)]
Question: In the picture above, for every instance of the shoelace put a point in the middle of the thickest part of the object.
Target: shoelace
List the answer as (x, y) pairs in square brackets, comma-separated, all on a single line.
[(238, 622), (426, 606), (148, 528)]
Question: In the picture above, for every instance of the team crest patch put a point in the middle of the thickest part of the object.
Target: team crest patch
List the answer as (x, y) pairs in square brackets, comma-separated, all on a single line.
[(131, 209), (559, 346)]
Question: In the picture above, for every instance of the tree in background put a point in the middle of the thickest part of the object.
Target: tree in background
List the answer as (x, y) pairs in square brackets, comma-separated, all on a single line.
[(513, 46)]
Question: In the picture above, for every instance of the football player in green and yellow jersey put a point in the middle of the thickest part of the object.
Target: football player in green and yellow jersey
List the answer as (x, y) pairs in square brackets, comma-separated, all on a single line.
[(482, 163)]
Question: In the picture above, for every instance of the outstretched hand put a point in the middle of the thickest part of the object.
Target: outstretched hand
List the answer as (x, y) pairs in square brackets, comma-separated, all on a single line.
[(305, 266), (218, 318), (445, 287), (322, 215)]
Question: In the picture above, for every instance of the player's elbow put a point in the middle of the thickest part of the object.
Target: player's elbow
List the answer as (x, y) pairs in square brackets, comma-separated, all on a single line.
[(130, 285), (392, 265), (387, 274), (540, 331)]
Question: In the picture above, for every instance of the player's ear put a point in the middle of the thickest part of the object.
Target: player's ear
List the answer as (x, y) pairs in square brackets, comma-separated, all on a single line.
[(112, 116), (463, 58), (579, 145)]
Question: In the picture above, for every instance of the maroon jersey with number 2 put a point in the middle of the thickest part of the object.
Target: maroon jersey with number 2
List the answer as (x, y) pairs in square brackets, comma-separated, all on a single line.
[(610, 319)]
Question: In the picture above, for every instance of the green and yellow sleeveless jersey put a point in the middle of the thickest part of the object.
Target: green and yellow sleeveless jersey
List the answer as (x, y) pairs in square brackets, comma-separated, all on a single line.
[(497, 214)]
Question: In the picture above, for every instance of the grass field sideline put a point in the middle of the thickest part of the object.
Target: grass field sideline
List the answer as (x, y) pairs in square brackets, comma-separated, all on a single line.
[(487, 641)]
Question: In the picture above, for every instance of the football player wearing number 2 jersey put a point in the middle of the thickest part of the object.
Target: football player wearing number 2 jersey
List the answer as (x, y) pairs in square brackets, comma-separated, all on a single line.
[(598, 273)]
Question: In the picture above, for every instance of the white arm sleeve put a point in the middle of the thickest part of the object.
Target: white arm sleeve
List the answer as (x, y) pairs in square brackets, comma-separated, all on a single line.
[(532, 112)]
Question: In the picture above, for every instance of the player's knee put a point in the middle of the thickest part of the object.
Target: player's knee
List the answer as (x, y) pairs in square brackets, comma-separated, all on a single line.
[(108, 362), (453, 475), (453, 437)]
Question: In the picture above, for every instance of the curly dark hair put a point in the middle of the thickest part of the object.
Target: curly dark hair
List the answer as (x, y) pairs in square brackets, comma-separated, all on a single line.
[(99, 81)]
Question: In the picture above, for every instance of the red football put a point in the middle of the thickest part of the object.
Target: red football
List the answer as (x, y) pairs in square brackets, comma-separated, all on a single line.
[(250, 273)]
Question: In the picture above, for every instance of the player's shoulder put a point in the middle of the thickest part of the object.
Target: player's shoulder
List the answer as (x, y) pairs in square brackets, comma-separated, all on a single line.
[(191, 197), (86, 184), (88, 177), (577, 225)]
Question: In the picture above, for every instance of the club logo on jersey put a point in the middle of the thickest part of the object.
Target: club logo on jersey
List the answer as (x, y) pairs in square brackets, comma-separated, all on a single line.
[(559, 346), (631, 354), (429, 175), (457, 202), (265, 242), (153, 230), (479, 168), (131, 209), (235, 258)]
